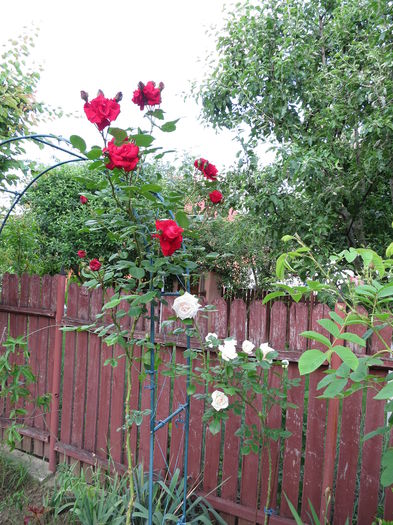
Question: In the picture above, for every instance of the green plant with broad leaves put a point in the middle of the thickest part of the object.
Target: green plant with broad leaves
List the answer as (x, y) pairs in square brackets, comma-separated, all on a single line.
[(359, 282), (16, 380)]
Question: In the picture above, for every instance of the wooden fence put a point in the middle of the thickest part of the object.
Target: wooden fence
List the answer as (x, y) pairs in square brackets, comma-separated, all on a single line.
[(86, 419)]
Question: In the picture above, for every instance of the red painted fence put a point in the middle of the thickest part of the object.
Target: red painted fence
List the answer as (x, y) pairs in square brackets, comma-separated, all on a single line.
[(85, 423)]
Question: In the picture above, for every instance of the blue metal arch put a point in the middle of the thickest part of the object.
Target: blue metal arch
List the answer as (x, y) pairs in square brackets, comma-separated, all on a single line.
[(154, 425)]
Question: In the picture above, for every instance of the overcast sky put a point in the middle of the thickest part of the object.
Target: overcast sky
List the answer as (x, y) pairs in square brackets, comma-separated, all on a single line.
[(90, 44)]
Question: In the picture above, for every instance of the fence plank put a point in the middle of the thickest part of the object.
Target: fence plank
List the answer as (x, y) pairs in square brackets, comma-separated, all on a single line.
[(22, 329), (5, 289), (278, 325), (68, 369), (313, 461), (196, 432), (344, 495), (93, 376), (218, 320), (237, 320), (258, 323), (212, 454), (371, 459), (293, 444), (176, 458), (105, 391), (162, 411)]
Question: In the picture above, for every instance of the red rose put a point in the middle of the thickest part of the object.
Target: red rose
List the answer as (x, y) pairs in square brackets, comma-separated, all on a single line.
[(124, 156), (171, 236), (81, 254), (148, 95), (83, 199), (102, 111), (209, 170), (95, 265), (215, 196)]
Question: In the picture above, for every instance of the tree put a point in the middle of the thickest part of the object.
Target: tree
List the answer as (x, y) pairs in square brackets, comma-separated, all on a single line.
[(315, 78), (19, 109)]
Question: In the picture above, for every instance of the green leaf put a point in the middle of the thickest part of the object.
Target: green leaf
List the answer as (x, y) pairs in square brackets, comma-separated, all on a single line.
[(142, 140), (353, 338), (94, 153), (387, 465), (214, 426), (334, 315), (386, 291), (310, 361), (169, 126), (119, 135), (287, 238), (280, 266), (157, 113), (389, 250), (347, 356), (272, 295), (335, 387), (78, 143), (182, 219), (330, 326), (386, 392), (191, 389), (311, 334)]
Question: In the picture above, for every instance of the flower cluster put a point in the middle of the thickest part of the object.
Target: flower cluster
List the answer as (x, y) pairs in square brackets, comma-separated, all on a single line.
[(210, 172)]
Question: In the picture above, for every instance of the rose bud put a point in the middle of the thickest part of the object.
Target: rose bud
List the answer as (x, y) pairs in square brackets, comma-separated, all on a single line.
[(84, 96), (119, 96)]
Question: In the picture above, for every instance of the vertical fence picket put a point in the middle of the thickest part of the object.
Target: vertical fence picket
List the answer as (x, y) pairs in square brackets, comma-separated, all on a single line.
[(13, 324), (371, 459), (118, 390), (348, 458), (258, 323), (105, 391), (22, 330), (5, 289), (93, 376), (69, 367)]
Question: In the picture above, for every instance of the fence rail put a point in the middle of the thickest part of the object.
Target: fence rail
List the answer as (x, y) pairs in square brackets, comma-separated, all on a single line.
[(85, 425)]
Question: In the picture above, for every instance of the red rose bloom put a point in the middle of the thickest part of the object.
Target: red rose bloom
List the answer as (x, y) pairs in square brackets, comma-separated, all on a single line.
[(209, 170), (83, 199), (148, 95), (102, 111), (170, 238), (81, 254), (94, 265), (215, 196), (124, 156)]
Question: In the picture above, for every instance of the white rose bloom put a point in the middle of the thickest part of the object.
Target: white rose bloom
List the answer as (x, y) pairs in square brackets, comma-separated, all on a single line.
[(265, 351), (186, 306), (285, 363), (228, 350), (209, 337), (248, 347), (219, 400)]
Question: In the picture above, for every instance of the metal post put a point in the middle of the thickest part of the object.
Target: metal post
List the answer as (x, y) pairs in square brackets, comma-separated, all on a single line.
[(152, 413)]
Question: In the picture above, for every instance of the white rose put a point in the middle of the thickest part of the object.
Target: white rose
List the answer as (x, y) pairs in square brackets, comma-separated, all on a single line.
[(209, 339), (186, 306), (228, 350), (248, 347), (265, 351), (219, 400), (285, 363)]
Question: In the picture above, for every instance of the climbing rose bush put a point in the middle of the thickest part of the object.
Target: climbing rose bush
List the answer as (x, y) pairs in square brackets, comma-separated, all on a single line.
[(147, 95)]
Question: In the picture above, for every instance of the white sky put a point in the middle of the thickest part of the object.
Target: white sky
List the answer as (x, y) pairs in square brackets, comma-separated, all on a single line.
[(90, 44)]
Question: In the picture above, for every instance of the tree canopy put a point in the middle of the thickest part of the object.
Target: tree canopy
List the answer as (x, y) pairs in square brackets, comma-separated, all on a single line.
[(314, 78)]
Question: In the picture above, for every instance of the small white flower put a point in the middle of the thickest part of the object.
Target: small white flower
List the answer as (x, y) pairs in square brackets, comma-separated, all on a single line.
[(186, 306), (285, 363), (265, 348), (248, 347), (228, 349), (210, 336), (219, 400)]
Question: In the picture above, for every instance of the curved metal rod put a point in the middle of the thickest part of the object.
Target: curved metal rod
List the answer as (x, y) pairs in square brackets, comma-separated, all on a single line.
[(38, 138), (20, 195)]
